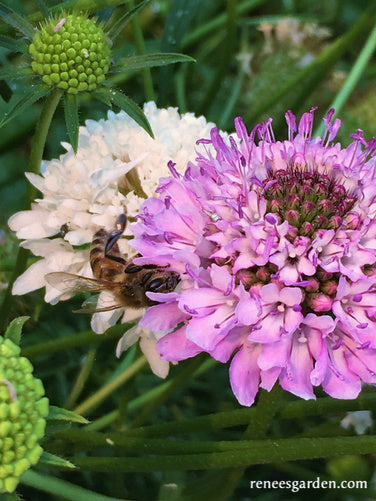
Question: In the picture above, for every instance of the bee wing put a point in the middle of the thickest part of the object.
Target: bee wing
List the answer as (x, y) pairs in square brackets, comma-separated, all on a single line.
[(74, 284), (90, 306)]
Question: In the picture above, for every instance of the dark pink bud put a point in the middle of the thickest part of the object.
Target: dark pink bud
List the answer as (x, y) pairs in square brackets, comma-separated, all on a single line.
[(282, 174), (321, 222), (276, 205), (246, 277), (352, 221), (321, 188), (339, 191), (292, 185), (307, 229), (292, 201), (308, 208), (275, 189), (326, 206), (306, 191), (314, 286), (324, 275), (292, 216), (335, 222), (329, 287), (320, 302), (262, 274)]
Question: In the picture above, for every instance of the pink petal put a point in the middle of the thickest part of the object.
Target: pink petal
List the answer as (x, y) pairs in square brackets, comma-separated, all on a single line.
[(223, 350), (339, 381), (269, 377), (208, 331), (295, 378), (248, 310), (245, 374), (162, 317), (175, 346)]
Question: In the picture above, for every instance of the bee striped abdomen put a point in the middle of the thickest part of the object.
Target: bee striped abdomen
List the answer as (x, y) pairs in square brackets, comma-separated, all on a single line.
[(105, 267)]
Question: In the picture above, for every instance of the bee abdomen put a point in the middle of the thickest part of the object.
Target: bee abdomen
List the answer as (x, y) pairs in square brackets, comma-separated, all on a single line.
[(105, 266)]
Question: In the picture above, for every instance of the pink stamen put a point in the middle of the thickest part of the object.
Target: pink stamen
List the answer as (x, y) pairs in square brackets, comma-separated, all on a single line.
[(59, 24)]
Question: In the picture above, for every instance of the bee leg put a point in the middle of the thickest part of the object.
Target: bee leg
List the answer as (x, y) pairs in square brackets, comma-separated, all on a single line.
[(115, 234)]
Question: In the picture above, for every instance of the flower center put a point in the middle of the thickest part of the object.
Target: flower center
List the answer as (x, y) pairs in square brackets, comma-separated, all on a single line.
[(71, 52), (308, 199)]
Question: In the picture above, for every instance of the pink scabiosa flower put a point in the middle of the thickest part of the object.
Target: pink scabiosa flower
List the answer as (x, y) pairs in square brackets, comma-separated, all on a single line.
[(275, 245)]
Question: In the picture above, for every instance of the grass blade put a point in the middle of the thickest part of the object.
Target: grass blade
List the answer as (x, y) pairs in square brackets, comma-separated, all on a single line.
[(119, 25), (150, 60), (18, 22)]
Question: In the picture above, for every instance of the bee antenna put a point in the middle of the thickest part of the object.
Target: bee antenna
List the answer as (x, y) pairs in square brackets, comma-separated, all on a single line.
[(115, 234)]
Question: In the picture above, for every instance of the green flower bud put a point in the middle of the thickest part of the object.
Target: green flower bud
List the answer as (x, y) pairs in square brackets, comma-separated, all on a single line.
[(67, 50), (23, 412)]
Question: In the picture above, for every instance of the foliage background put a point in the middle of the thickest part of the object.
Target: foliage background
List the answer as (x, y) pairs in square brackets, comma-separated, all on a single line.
[(238, 71)]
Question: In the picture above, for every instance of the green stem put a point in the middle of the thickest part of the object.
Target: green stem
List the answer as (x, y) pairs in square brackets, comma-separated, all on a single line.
[(97, 398), (81, 379), (61, 488), (232, 99), (141, 400), (140, 45), (36, 155), (221, 486), (78, 339), (353, 77), (239, 417), (179, 380), (39, 140), (257, 452), (218, 22)]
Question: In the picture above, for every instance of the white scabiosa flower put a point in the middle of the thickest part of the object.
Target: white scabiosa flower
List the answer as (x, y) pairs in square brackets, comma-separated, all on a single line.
[(85, 191), (360, 420)]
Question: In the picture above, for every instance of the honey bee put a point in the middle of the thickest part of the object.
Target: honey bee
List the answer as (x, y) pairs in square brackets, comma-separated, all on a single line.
[(127, 281)]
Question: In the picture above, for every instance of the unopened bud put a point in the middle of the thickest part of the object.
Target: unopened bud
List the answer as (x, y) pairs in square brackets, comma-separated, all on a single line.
[(320, 302), (292, 216)]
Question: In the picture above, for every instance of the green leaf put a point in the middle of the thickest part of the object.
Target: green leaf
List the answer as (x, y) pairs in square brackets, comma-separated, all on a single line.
[(14, 329), (118, 26), (15, 72), (116, 97), (29, 98), (71, 118), (66, 415), (13, 44), (52, 460), (42, 7), (150, 60), (178, 21), (18, 22)]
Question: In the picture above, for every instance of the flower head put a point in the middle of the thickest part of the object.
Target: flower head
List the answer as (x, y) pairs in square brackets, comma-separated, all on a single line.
[(71, 53), (23, 412), (274, 242), (87, 190)]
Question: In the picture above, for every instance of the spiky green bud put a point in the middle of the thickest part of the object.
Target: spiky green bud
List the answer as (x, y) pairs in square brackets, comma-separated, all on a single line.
[(23, 412), (71, 52)]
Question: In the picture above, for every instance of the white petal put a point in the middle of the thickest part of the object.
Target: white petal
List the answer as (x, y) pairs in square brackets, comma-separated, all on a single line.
[(148, 347), (31, 280)]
